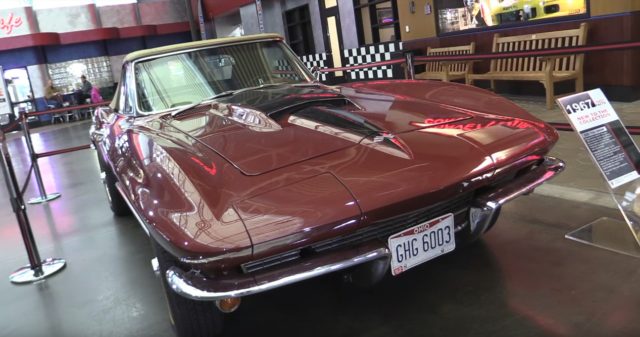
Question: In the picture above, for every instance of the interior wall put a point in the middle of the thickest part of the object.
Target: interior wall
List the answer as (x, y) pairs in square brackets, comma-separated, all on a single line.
[(155, 12), (422, 26), (348, 24), (418, 24), (227, 23), (67, 19), (38, 76), (316, 24), (118, 15), (366, 22), (619, 78), (599, 7), (272, 12), (249, 17)]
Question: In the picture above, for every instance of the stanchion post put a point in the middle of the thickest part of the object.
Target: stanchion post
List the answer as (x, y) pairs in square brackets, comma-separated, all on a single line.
[(409, 71), (37, 269), (44, 197)]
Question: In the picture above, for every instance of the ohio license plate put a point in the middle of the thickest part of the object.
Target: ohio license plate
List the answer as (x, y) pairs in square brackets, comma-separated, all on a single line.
[(421, 243)]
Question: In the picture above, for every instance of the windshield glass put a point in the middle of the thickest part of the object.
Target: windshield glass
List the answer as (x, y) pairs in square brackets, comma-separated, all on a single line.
[(181, 79)]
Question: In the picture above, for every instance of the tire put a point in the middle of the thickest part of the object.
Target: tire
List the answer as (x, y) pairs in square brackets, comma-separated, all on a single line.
[(189, 318), (117, 204)]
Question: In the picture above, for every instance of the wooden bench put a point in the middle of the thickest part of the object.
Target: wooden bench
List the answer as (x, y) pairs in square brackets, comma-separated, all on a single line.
[(444, 70), (548, 69)]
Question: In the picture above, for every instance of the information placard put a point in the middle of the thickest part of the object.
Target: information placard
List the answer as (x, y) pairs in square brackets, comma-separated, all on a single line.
[(604, 135)]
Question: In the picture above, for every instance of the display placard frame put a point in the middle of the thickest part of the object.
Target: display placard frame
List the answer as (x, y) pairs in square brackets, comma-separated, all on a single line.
[(617, 157)]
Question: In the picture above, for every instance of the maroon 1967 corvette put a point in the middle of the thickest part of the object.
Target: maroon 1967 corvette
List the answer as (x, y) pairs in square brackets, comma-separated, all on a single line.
[(248, 175)]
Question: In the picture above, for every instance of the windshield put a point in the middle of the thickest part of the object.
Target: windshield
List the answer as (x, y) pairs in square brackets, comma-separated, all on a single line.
[(181, 79)]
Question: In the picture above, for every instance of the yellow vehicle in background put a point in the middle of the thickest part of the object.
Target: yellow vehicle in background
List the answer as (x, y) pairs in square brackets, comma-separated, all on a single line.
[(506, 11)]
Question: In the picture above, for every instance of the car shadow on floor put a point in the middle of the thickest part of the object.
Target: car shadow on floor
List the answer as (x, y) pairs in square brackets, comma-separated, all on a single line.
[(459, 294)]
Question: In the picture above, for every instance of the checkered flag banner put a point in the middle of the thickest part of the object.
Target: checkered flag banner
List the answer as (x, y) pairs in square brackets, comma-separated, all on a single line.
[(370, 54), (317, 60)]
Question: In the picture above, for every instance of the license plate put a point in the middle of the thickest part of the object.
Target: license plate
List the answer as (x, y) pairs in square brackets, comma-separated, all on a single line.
[(421, 243)]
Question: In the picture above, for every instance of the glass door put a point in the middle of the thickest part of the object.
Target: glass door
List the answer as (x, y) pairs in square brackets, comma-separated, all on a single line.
[(19, 89)]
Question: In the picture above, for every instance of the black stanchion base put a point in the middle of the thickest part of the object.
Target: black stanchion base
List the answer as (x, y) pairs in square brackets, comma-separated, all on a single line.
[(40, 200), (28, 275)]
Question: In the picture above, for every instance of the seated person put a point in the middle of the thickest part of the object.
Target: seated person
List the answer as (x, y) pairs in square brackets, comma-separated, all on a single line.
[(52, 95), (85, 92)]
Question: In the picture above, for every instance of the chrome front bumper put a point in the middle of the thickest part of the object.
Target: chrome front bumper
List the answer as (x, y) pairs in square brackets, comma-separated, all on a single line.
[(482, 215), (486, 207), (197, 287)]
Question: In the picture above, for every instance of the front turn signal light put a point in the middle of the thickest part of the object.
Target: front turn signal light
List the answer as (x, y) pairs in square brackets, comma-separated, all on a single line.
[(228, 305)]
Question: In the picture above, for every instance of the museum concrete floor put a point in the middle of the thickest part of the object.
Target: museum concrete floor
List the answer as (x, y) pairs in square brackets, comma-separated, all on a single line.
[(523, 279)]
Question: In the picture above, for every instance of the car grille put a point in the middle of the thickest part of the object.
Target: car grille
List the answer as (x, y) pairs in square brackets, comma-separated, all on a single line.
[(382, 229)]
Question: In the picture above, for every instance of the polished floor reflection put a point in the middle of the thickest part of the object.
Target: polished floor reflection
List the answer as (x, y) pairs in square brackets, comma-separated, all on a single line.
[(524, 279)]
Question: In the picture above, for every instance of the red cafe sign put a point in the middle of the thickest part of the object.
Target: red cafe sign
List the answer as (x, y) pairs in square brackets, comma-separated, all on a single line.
[(9, 23)]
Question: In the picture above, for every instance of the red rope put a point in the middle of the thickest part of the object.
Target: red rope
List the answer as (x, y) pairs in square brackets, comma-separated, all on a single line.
[(65, 109), (61, 151), (363, 66), (532, 53), (485, 56)]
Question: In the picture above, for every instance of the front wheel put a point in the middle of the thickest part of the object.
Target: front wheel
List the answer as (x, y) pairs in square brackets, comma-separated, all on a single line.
[(189, 318), (118, 206)]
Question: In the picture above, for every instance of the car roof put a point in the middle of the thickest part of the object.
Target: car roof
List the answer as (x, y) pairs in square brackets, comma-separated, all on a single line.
[(136, 55)]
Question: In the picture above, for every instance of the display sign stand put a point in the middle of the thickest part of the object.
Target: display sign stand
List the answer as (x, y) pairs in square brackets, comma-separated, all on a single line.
[(37, 269), (607, 233), (617, 157)]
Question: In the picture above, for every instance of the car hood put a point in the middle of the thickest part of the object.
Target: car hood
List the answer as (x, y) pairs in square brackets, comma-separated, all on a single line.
[(262, 130)]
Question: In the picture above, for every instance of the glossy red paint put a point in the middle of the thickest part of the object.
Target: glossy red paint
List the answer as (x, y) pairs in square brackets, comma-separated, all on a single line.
[(347, 157), (287, 217)]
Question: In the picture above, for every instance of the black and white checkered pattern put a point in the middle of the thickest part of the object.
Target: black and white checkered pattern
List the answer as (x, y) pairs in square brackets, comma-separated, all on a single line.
[(284, 69), (370, 54), (317, 60)]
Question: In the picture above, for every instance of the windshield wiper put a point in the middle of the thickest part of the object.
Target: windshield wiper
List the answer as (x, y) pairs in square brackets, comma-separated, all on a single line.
[(219, 95)]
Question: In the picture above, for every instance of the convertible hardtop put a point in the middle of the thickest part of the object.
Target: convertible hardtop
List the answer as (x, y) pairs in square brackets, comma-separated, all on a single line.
[(136, 55)]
